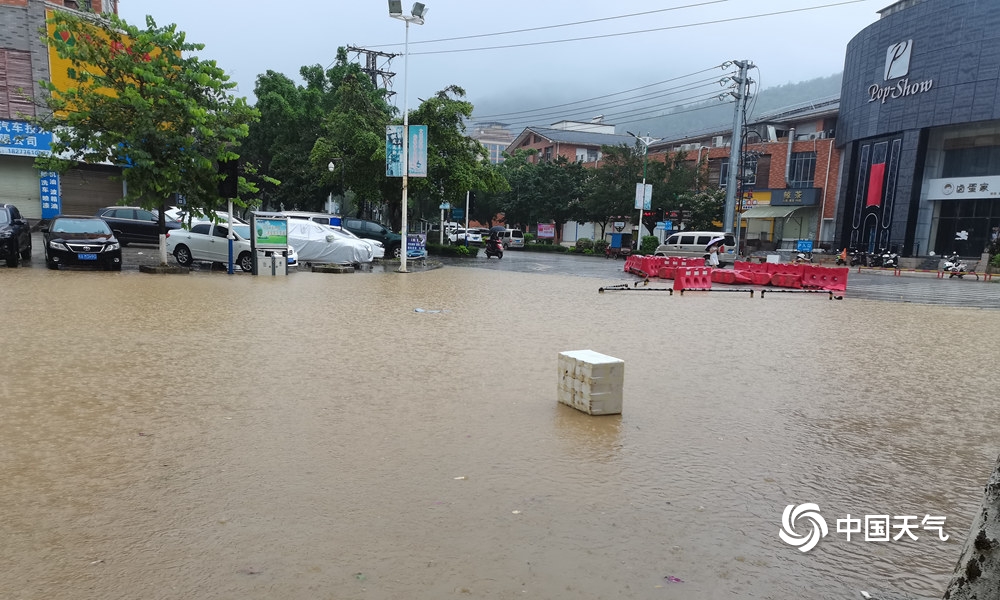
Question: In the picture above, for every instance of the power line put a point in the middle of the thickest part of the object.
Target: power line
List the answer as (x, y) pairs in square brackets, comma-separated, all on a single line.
[(635, 89), (513, 31), (610, 35), (634, 99), (679, 112)]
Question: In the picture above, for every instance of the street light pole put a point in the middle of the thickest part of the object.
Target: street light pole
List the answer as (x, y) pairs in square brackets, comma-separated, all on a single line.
[(645, 141), (416, 16)]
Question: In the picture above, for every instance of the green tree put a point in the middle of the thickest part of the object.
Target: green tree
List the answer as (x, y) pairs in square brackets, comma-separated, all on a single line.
[(140, 99), (610, 192), (517, 199), (456, 163), (702, 209), (352, 133), (672, 178), (558, 185)]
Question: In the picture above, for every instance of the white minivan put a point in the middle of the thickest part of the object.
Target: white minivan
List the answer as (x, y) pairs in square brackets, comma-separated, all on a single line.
[(512, 238), (694, 244)]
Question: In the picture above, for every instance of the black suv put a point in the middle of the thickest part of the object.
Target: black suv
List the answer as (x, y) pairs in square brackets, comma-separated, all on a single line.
[(15, 235), (370, 230), (132, 224)]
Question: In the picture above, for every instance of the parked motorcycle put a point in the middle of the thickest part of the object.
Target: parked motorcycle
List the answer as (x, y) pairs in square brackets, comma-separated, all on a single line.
[(890, 260), (955, 266), (859, 258), (494, 247)]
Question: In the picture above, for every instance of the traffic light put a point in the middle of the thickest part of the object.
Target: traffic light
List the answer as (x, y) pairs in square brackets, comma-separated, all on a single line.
[(647, 214), (659, 215)]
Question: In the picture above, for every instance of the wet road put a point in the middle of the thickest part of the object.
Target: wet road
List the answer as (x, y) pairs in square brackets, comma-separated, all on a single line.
[(208, 436)]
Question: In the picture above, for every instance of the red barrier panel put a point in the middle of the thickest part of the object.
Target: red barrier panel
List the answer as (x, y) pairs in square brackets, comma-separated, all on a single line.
[(632, 262), (837, 281), (786, 280), (760, 278), (741, 265), (785, 268), (744, 276), (651, 264), (666, 272), (693, 278), (723, 276)]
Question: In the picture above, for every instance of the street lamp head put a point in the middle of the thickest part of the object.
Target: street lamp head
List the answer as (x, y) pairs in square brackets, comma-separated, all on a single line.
[(419, 10), (396, 8), (331, 166)]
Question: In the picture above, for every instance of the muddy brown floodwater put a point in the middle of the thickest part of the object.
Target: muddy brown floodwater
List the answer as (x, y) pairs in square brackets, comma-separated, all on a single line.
[(314, 437)]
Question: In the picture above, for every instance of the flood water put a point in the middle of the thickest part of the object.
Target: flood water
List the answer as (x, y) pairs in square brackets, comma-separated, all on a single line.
[(314, 437)]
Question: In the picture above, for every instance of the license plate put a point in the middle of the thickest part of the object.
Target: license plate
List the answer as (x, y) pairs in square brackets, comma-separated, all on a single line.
[(86, 256)]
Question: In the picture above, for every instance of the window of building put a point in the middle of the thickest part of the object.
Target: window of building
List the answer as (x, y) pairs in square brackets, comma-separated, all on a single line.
[(802, 170), (723, 173), (17, 91), (971, 162), (547, 153)]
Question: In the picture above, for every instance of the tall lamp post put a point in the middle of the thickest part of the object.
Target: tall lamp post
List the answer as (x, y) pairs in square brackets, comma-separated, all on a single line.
[(417, 14), (645, 141)]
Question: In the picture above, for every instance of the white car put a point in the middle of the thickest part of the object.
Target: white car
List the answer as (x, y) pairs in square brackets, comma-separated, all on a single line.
[(378, 249), (317, 243), (209, 242), (175, 213), (458, 236)]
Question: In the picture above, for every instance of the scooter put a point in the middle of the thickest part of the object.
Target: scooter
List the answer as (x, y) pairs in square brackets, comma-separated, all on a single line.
[(890, 260), (859, 258), (494, 248), (954, 266), (842, 258)]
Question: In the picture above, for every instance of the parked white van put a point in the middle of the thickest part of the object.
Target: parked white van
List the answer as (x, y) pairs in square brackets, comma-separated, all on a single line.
[(512, 238), (693, 244)]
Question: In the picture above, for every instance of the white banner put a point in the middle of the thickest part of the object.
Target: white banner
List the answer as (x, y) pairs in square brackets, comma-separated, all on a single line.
[(964, 188)]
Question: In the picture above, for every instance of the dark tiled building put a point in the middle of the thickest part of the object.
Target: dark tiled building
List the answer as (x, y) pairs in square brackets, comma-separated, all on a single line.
[(919, 129)]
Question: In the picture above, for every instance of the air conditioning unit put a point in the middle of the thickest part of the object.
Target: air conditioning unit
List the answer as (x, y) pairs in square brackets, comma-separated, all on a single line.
[(821, 135), (717, 141)]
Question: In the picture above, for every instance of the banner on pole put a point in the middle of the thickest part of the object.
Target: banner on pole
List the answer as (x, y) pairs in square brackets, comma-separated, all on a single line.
[(416, 148), (643, 196)]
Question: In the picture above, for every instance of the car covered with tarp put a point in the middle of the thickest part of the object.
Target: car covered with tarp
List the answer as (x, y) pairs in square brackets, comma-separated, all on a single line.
[(317, 243)]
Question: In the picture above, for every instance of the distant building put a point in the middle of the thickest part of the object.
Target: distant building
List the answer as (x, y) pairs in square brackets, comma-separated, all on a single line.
[(576, 141), (791, 169), (495, 136)]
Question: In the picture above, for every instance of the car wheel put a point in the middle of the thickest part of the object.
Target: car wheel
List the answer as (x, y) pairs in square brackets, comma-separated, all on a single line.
[(13, 258), (396, 251), (26, 253), (51, 265), (246, 262), (183, 255)]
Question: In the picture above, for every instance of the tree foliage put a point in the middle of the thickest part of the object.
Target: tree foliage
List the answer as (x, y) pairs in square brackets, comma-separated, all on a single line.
[(139, 98)]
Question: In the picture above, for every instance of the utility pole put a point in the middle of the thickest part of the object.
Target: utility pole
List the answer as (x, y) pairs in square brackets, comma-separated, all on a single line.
[(645, 193), (380, 75), (735, 147)]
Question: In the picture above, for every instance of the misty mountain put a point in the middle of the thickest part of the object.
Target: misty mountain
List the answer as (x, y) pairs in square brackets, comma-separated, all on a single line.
[(525, 109)]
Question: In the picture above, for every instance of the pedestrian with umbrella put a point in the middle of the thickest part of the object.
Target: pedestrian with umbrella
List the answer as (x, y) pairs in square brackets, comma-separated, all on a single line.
[(715, 246)]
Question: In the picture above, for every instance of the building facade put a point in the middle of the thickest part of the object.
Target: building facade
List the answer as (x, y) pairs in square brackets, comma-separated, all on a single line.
[(26, 60), (919, 130)]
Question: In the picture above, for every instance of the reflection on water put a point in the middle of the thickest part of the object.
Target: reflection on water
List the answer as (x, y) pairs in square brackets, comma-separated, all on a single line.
[(314, 437)]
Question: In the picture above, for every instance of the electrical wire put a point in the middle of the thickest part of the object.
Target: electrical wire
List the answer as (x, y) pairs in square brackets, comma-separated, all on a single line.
[(513, 31), (613, 104), (641, 31)]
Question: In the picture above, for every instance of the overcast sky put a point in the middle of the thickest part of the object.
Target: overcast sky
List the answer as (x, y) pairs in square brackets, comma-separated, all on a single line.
[(248, 38)]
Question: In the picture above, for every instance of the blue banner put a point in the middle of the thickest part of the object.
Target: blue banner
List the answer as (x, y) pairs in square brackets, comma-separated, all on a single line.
[(48, 182), (394, 151), (416, 245), (417, 150), (23, 139), (804, 246)]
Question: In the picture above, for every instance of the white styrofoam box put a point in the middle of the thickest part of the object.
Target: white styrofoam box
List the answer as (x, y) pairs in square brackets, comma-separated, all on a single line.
[(591, 382)]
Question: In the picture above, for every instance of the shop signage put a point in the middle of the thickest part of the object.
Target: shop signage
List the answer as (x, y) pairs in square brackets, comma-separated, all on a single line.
[(48, 182), (546, 230), (963, 188), (897, 65), (23, 139), (796, 197)]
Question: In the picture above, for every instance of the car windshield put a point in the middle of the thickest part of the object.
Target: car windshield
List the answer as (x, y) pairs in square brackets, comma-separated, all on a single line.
[(93, 226), (3, 217)]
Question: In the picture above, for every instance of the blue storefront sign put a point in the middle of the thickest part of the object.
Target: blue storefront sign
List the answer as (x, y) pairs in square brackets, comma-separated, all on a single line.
[(804, 246), (48, 182), (23, 139)]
